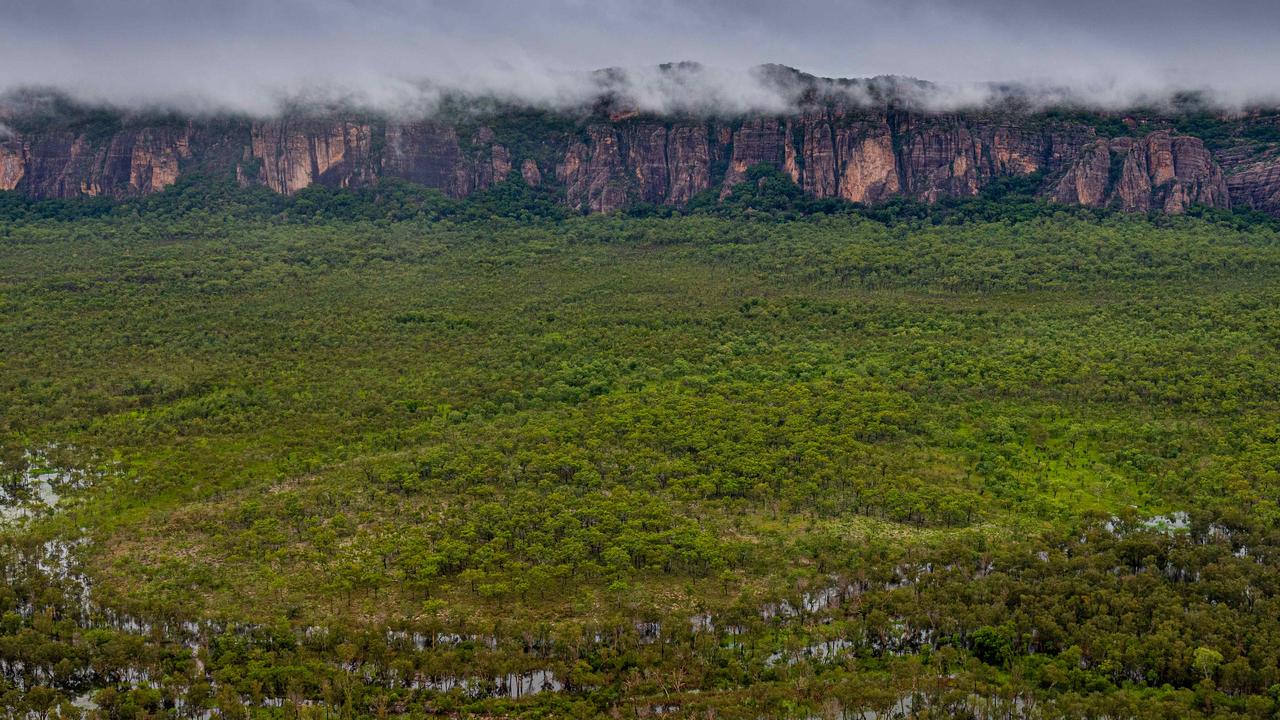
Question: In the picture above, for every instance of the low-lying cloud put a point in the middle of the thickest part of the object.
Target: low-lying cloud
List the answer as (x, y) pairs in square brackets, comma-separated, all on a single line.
[(252, 56)]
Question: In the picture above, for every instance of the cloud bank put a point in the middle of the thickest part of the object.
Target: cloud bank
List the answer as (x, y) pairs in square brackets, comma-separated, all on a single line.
[(252, 55)]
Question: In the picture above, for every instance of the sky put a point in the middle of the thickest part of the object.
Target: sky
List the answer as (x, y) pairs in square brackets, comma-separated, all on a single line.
[(250, 55)]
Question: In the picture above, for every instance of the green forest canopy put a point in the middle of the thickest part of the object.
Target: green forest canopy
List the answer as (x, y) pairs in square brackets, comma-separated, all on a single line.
[(387, 409)]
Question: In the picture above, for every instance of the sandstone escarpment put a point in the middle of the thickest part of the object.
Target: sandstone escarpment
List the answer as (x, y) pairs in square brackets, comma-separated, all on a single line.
[(432, 153), (427, 153), (1087, 182), (951, 156), (131, 162), (617, 165), (939, 159), (869, 157), (593, 172), (1169, 173), (758, 141), (688, 162), (292, 155), (13, 164), (489, 163), (63, 165), (613, 160), (1253, 176), (1163, 172), (867, 171), (647, 161), (149, 158), (850, 159), (820, 174)]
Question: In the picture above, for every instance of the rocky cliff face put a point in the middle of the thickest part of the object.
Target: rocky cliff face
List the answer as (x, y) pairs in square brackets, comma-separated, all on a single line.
[(651, 162), (609, 162), (290, 155), (688, 162), (132, 162), (1160, 172), (593, 173), (867, 168), (432, 153), (1253, 176), (427, 153), (757, 141), (869, 157), (13, 164), (1088, 179)]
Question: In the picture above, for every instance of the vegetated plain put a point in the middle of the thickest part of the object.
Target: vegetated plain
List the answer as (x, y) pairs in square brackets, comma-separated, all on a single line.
[(378, 453)]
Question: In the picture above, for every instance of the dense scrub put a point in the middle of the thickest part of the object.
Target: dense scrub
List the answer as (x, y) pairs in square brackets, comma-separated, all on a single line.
[(380, 452)]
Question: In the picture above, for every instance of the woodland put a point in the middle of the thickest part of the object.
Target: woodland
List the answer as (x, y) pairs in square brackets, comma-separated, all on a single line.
[(380, 453)]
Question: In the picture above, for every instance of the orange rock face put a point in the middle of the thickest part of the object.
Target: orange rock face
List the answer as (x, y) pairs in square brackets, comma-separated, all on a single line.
[(1013, 153), (530, 172), (132, 162), (1087, 181), (499, 162), (869, 168), (869, 157), (821, 175), (154, 159), (13, 164), (293, 155), (593, 173), (689, 162), (859, 154), (1253, 176), (757, 141), (1161, 172)]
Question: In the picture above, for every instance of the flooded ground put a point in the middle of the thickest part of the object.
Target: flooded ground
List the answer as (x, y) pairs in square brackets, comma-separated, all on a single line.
[(35, 484), (37, 488)]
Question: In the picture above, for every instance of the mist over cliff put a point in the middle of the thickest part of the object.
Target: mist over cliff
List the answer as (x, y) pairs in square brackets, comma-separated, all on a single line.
[(394, 55), (1146, 105)]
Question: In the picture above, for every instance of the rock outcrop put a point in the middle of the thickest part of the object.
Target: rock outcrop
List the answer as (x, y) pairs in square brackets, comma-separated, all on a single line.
[(1169, 174), (490, 162), (939, 159), (611, 161), (431, 153), (292, 155), (151, 158), (757, 141), (427, 153), (867, 169), (530, 173), (647, 161), (1253, 176), (593, 172), (641, 161), (13, 164), (1088, 180), (1160, 172), (688, 162), (869, 157), (130, 163)]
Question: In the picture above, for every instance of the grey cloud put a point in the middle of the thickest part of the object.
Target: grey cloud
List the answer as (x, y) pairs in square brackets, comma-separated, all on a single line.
[(251, 56)]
